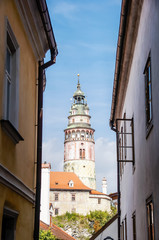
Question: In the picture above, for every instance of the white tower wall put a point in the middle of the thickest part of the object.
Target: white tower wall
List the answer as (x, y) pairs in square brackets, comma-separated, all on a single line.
[(79, 155)]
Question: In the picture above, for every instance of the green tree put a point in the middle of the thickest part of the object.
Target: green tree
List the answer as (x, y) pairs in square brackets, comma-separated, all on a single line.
[(46, 235)]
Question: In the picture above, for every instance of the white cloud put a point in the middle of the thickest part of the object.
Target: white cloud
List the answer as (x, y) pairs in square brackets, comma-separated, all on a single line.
[(53, 153), (65, 9), (105, 152)]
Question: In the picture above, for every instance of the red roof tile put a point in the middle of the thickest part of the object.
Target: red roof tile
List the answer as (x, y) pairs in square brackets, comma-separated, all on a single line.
[(60, 180), (56, 231), (97, 193)]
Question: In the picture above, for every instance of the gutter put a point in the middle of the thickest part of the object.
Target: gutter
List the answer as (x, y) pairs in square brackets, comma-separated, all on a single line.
[(118, 64), (43, 10)]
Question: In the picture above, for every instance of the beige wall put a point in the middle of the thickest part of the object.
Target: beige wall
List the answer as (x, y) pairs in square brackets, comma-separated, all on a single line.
[(84, 202), (19, 159)]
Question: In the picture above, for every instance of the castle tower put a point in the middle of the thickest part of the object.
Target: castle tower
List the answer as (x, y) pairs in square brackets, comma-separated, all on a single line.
[(79, 156)]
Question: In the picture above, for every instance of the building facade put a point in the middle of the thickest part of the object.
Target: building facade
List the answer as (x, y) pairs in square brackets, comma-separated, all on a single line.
[(69, 194), (135, 117), (79, 156), (23, 43)]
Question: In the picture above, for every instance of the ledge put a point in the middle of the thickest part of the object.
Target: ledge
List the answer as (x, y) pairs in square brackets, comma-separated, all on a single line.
[(11, 181), (10, 130)]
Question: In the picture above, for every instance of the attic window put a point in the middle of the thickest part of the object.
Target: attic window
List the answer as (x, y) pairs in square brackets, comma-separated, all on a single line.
[(71, 183)]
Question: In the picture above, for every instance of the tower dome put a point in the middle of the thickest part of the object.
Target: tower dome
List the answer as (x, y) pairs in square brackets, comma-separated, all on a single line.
[(79, 156)]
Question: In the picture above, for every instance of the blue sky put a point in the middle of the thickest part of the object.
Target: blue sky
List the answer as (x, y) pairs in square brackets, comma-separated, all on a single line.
[(86, 34)]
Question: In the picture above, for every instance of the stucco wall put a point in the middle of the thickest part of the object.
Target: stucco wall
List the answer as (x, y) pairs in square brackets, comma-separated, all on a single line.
[(83, 202), (138, 185), (19, 159)]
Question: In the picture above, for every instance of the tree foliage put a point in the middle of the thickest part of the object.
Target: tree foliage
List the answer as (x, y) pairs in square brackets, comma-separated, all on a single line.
[(46, 235)]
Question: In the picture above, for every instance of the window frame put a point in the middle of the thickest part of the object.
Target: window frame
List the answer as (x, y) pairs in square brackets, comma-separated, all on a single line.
[(10, 103), (134, 225), (151, 235), (56, 211), (73, 197), (10, 213), (56, 197), (148, 82)]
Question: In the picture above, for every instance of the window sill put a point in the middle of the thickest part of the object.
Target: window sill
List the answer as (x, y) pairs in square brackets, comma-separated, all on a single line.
[(10, 130), (149, 128)]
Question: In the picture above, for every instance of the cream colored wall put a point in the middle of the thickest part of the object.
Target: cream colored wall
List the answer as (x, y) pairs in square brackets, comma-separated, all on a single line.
[(83, 203), (19, 159), (104, 205), (24, 223)]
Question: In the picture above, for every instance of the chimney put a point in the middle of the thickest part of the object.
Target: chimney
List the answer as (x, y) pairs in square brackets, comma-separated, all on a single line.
[(45, 190), (104, 185)]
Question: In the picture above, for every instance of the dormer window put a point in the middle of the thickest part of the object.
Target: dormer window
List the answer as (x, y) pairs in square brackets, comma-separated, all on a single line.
[(71, 183)]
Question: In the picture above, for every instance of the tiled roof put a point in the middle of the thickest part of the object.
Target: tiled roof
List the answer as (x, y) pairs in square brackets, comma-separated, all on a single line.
[(56, 231), (113, 195), (60, 180), (97, 193)]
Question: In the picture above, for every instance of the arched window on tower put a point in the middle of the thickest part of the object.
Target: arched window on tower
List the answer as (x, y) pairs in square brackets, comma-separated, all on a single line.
[(66, 135), (69, 134), (73, 135), (80, 153), (78, 134), (83, 154), (87, 134), (90, 134), (82, 134)]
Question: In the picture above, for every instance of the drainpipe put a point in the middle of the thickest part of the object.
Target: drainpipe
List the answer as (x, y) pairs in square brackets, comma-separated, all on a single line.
[(42, 66), (43, 10), (118, 178)]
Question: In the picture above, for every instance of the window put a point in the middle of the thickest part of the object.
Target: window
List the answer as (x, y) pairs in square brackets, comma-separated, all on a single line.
[(134, 225), (56, 211), (122, 230), (82, 153), (56, 196), (9, 121), (9, 224), (11, 101), (73, 135), (99, 200), (82, 134), (148, 94), (73, 197), (125, 142), (125, 221), (150, 218), (125, 138), (71, 183)]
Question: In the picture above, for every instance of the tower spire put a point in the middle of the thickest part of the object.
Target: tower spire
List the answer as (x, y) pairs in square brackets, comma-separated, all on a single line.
[(78, 84)]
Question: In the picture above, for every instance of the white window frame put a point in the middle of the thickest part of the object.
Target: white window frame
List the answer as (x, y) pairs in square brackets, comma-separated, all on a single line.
[(11, 98)]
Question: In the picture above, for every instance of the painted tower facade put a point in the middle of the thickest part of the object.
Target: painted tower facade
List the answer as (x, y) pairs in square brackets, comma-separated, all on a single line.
[(79, 155)]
